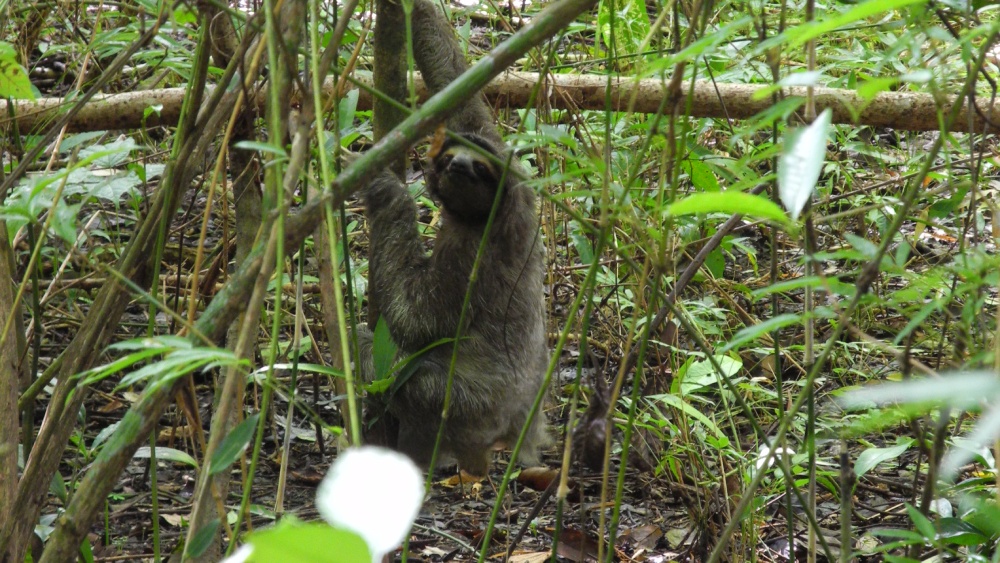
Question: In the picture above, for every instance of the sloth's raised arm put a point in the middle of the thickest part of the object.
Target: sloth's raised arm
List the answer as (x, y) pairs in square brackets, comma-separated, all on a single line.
[(440, 60)]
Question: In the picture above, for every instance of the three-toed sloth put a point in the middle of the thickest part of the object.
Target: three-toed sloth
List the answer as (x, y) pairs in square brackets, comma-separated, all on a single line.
[(502, 354)]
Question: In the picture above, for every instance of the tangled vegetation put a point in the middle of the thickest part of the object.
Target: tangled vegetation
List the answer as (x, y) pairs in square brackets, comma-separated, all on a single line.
[(771, 281)]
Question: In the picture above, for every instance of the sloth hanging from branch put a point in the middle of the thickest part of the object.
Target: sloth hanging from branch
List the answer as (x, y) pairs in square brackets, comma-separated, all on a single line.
[(502, 355)]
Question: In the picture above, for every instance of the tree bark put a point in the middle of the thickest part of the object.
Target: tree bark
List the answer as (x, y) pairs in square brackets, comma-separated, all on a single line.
[(10, 378)]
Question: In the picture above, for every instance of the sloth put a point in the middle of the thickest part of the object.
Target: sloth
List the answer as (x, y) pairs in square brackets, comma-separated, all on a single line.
[(502, 354)]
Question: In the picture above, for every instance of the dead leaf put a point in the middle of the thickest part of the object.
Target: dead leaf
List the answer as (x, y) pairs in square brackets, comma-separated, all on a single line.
[(174, 520), (534, 557), (644, 537), (309, 476), (577, 546), (175, 433), (111, 406), (538, 478), (463, 478)]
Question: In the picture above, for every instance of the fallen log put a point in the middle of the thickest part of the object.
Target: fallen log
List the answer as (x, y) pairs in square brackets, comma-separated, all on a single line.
[(900, 110)]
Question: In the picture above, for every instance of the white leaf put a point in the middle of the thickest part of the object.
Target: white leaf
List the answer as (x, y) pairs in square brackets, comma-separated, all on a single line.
[(800, 163), (374, 492)]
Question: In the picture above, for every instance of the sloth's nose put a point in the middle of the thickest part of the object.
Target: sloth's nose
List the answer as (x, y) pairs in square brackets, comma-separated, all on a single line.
[(462, 164)]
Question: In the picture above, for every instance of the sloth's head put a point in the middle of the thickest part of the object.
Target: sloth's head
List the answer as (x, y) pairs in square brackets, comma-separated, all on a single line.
[(465, 180)]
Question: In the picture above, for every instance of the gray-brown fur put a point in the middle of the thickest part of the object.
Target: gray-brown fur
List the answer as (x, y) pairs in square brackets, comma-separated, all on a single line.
[(502, 353)]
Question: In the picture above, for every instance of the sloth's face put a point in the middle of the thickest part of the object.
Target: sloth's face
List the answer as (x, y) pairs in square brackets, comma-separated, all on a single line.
[(465, 182)]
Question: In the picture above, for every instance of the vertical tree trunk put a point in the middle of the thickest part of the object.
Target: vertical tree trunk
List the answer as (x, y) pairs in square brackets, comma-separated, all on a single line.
[(389, 77), (11, 382)]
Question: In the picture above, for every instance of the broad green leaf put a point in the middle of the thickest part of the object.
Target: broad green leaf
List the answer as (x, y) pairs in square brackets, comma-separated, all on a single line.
[(100, 373), (113, 154), (233, 445), (956, 532), (165, 343), (729, 202), (980, 454), (313, 542), (867, 248), (701, 175), (86, 551), (14, 82), (383, 350), (800, 163), (348, 107), (874, 456), (715, 262), (166, 454), (983, 513), (58, 488), (701, 373)]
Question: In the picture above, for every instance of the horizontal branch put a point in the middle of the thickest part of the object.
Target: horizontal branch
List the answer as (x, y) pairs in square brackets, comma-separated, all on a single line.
[(900, 110)]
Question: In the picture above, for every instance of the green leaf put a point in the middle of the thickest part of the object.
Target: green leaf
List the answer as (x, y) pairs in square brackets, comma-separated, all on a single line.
[(58, 488), (584, 249), (185, 16), (14, 82), (701, 373), (716, 262), (701, 175), (874, 456), (314, 542), (984, 514), (348, 107), (800, 163), (202, 539), (729, 202), (264, 148), (233, 445), (923, 525), (631, 25), (753, 332), (86, 551), (104, 435), (794, 284), (383, 350), (956, 532), (166, 454), (113, 154), (690, 410), (798, 35)]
